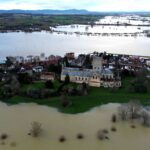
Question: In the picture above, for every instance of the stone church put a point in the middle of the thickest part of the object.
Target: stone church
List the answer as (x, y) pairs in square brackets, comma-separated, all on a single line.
[(97, 76)]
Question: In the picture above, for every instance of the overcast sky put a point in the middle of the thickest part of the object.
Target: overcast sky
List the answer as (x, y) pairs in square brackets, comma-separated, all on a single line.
[(93, 5)]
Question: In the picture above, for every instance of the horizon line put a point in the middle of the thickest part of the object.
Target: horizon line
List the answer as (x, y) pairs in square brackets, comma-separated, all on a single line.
[(75, 10)]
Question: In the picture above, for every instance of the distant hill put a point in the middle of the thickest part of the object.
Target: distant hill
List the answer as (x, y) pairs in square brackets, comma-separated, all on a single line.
[(65, 12), (48, 11)]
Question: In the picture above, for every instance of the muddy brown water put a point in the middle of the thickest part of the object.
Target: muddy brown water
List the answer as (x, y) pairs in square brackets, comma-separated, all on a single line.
[(16, 122)]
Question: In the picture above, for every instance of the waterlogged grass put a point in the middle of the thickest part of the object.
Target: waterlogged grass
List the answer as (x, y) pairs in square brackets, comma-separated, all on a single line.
[(96, 97)]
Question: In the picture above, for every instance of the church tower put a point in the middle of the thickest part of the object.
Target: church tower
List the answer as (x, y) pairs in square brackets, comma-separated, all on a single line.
[(97, 63)]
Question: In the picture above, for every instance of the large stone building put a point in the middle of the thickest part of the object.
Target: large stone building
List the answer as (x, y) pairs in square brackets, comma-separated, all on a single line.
[(97, 76)]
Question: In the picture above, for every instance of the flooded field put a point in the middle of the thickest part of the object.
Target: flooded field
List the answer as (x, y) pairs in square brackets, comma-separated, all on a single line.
[(125, 19), (16, 122), (108, 30), (111, 26)]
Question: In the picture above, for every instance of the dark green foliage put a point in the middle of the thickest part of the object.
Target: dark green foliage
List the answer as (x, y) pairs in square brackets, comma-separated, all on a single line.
[(49, 84), (6, 92), (10, 87), (65, 102), (29, 22), (37, 93), (54, 68), (24, 78), (126, 73), (67, 79), (141, 83), (8, 62), (66, 63), (88, 62)]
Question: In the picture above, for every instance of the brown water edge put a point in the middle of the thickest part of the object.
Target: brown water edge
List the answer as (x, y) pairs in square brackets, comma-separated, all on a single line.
[(16, 122)]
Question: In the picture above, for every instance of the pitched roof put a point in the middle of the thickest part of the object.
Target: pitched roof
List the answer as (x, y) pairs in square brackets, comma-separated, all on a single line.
[(85, 72)]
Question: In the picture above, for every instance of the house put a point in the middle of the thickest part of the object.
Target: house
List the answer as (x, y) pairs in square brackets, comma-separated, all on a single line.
[(47, 76), (97, 76), (37, 69), (70, 56)]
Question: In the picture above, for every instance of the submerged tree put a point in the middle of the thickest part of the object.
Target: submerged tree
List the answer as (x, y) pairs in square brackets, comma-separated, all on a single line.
[(130, 110), (35, 129), (134, 108), (145, 118), (123, 112)]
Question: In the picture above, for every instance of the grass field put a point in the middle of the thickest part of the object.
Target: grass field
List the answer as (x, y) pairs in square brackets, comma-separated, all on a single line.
[(96, 97), (24, 22)]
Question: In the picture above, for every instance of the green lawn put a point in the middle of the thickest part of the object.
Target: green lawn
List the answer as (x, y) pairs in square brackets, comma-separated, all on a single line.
[(39, 85), (96, 97)]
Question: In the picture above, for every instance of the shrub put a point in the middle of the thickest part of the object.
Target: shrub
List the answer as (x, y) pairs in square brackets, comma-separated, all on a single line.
[(133, 126), (80, 136), (35, 129), (67, 79), (100, 135), (3, 136), (113, 129), (114, 118), (49, 84), (62, 139), (24, 78)]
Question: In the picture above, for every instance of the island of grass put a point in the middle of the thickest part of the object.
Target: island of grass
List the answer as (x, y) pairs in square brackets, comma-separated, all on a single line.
[(95, 97)]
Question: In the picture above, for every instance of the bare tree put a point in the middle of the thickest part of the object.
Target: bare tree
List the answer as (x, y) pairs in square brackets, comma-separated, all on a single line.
[(130, 110), (134, 108), (36, 129), (123, 112), (145, 118)]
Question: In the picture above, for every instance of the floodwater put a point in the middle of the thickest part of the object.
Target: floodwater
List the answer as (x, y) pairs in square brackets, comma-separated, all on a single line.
[(132, 40), (102, 29), (129, 19), (15, 121), (24, 44)]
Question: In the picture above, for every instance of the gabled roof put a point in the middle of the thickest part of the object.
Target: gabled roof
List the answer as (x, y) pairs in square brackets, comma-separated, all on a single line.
[(85, 72)]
